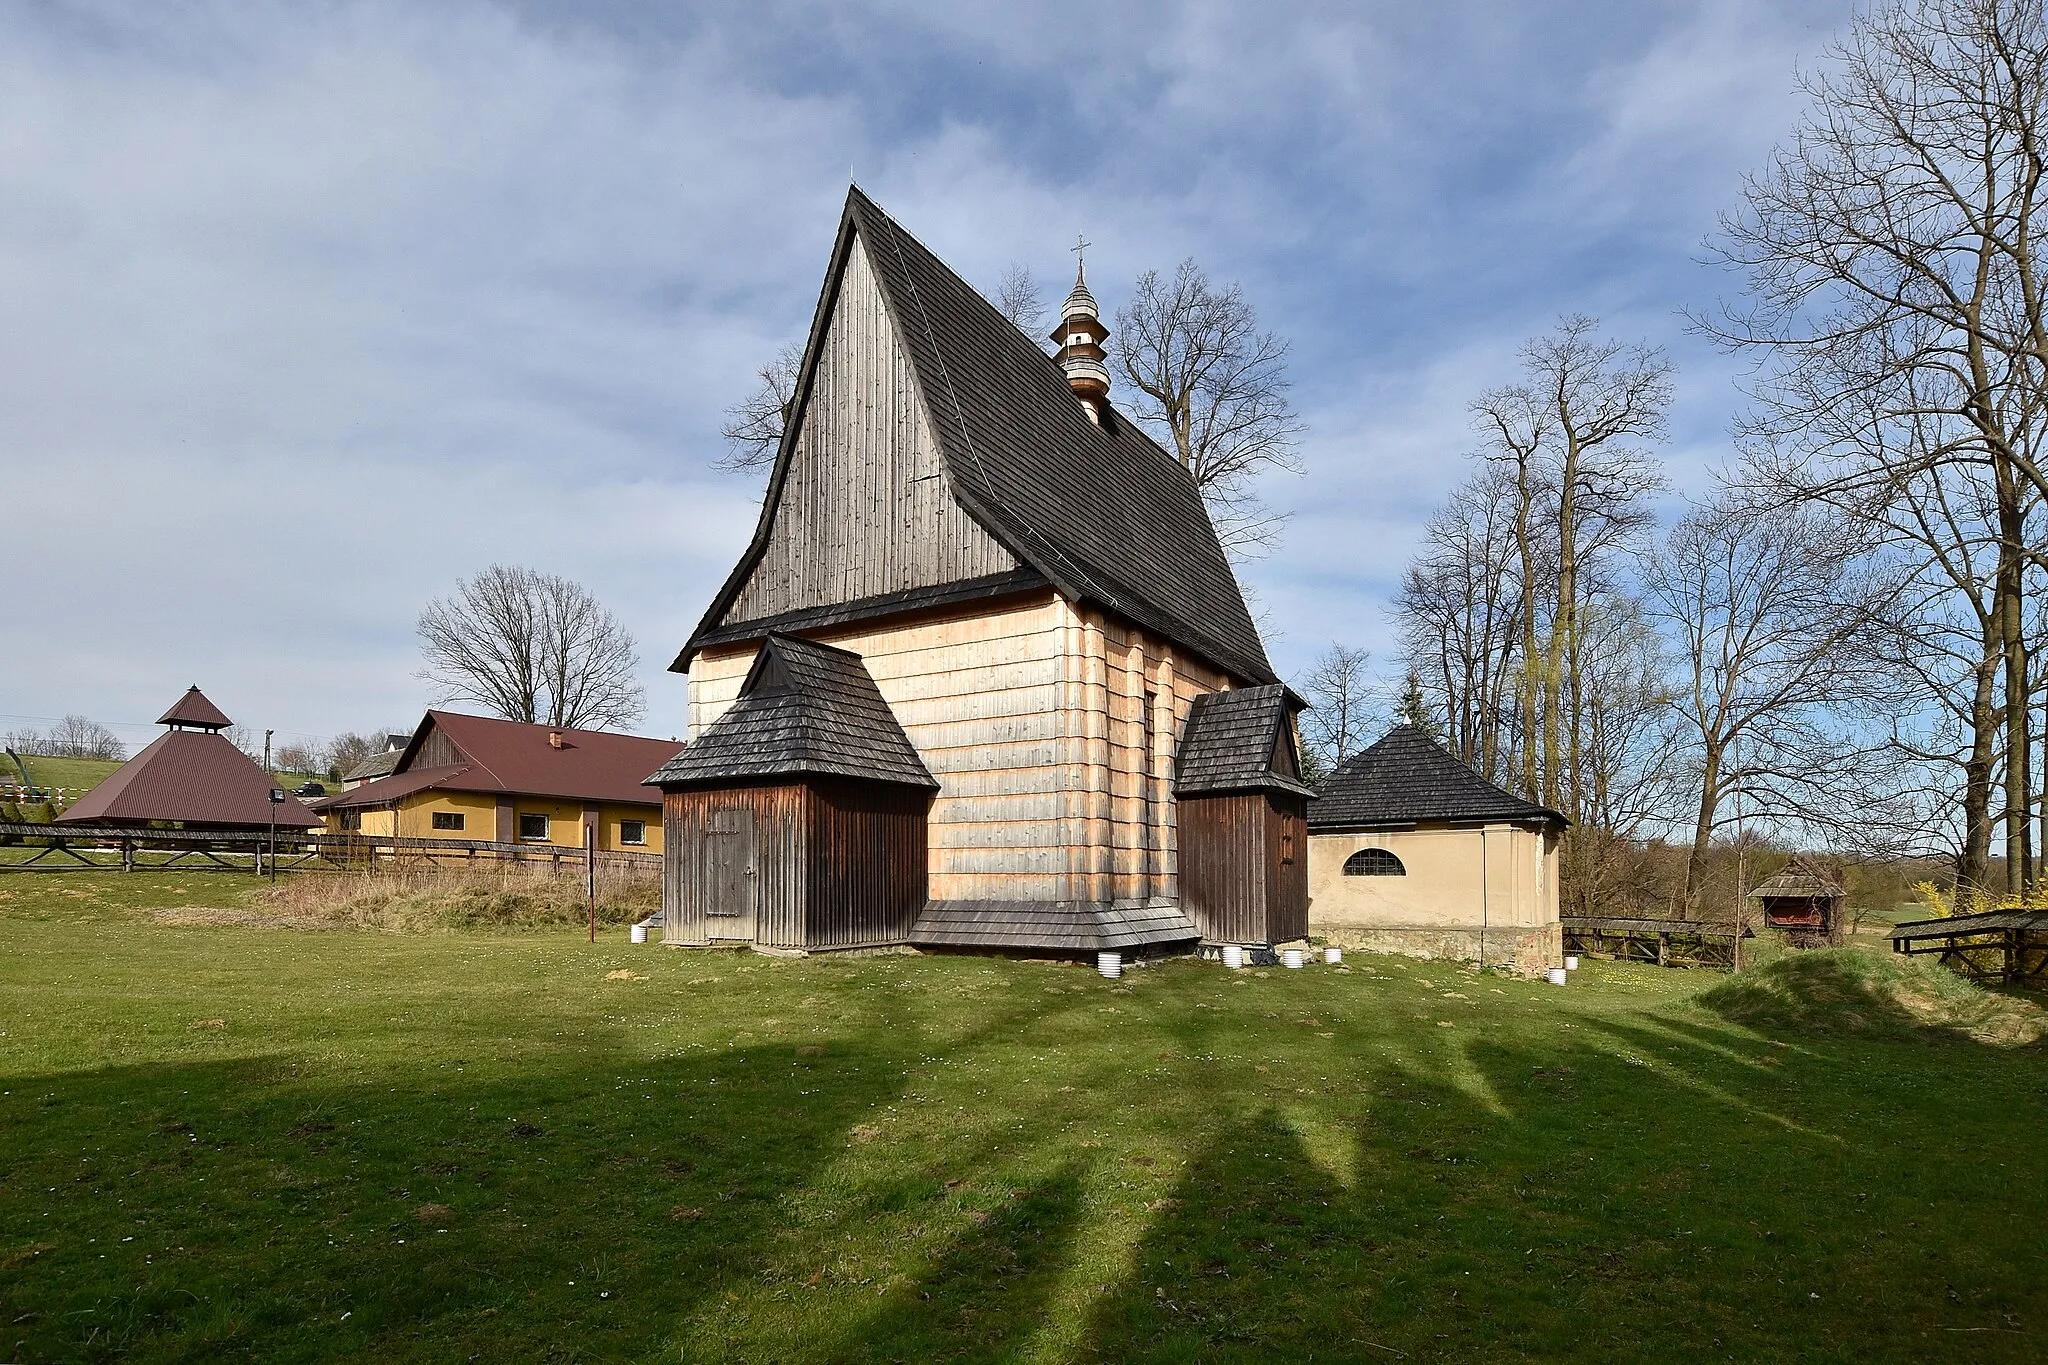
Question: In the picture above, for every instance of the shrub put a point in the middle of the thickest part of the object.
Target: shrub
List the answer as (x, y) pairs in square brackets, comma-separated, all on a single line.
[(428, 899)]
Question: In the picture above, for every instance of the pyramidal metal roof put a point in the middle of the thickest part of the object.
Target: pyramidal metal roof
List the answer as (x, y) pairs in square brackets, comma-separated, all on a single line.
[(1408, 779), (805, 709), (1097, 510), (197, 778), (195, 711)]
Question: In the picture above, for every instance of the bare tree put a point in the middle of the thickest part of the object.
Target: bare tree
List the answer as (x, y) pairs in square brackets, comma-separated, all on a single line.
[(1567, 434), (79, 737), (1769, 618), (343, 752), (1215, 387), (532, 647), (1897, 301), (1460, 610), (1020, 299), (1341, 695), (753, 426)]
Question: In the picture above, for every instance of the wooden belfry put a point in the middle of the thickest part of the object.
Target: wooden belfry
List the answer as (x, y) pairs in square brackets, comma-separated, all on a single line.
[(1029, 597), (1804, 900)]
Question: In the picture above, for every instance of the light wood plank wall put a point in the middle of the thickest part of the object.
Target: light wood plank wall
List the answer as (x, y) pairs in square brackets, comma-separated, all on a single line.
[(1030, 715), (867, 506)]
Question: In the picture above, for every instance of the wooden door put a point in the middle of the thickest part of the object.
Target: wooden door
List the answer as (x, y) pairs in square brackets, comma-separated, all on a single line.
[(731, 877)]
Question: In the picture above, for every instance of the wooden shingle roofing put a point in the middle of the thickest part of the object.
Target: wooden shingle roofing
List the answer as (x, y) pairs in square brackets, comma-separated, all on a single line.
[(1801, 877), (1239, 741), (805, 709), (1406, 780), (1098, 511)]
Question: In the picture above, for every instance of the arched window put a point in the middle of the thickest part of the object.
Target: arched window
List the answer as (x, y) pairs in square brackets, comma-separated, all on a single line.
[(1373, 862)]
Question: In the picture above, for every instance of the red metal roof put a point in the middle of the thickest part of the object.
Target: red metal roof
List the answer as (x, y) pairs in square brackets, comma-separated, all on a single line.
[(384, 789), (189, 775), (511, 756), (194, 709)]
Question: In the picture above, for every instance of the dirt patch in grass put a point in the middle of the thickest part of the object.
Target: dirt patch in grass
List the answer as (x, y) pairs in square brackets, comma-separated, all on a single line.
[(1846, 991)]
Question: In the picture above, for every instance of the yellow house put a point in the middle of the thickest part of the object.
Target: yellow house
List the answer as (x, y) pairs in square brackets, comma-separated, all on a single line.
[(502, 781), (1410, 851)]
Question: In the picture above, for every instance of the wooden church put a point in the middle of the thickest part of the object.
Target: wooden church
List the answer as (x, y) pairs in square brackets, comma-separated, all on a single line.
[(944, 698)]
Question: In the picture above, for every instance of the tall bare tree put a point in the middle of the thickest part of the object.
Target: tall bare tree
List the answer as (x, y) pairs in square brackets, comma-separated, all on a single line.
[(1461, 612), (1342, 708), (753, 426), (1893, 253), (1571, 436), (1215, 387), (1769, 619), (532, 647)]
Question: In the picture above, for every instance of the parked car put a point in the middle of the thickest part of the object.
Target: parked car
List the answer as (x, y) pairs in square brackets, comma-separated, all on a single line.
[(312, 789)]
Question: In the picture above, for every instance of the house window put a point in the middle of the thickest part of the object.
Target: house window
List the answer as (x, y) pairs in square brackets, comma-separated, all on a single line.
[(1373, 862), (447, 819), (533, 827), (352, 821), (632, 831)]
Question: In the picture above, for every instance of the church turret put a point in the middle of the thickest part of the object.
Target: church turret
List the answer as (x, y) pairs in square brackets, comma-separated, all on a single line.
[(1080, 336)]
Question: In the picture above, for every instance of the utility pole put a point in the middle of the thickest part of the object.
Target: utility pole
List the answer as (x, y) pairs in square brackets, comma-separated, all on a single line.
[(270, 780)]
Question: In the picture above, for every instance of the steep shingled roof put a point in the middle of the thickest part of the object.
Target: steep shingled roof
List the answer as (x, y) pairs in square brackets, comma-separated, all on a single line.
[(1101, 512), (1406, 779), (1239, 741), (805, 709)]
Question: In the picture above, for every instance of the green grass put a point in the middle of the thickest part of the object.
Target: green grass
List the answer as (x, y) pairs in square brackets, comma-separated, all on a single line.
[(75, 775), (240, 1143)]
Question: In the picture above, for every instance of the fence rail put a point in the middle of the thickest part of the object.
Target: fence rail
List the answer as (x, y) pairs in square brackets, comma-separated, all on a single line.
[(69, 848), (1664, 942)]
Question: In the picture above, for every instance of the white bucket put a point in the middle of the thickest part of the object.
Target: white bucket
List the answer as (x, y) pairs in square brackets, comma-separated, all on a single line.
[(1233, 957), (1333, 956), (638, 933), (1571, 964), (1291, 958), (1111, 965), (1556, 976)]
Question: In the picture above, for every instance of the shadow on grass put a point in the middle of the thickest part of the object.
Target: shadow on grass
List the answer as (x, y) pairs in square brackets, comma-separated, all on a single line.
[(1637, 1194), (181, 1212)]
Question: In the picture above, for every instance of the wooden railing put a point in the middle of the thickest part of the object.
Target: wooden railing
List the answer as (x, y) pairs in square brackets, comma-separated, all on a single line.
[(1664, 942), (60, 848)]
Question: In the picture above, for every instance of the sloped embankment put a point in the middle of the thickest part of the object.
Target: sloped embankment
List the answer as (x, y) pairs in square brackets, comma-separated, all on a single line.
[(1847, 991)]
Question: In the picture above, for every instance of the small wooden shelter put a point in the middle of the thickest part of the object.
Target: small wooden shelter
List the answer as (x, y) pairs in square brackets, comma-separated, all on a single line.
[(1243, 818), (190, 775), (799, 813), (1805, 901)]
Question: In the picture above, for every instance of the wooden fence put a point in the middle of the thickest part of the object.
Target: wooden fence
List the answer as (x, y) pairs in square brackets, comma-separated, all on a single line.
[(1662, 942), (2008, 947), (76, 848)]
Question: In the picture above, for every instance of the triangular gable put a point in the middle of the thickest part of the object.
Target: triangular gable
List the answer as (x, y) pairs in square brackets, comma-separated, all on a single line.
[(1239, 741), (1097, 510)]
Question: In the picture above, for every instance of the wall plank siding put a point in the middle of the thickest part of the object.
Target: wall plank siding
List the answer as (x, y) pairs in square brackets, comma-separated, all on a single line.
[(867, 506), (1029, 712)]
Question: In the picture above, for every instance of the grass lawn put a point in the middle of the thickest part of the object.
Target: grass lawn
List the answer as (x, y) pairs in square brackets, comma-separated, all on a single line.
[(75, 776), (240, 1143)]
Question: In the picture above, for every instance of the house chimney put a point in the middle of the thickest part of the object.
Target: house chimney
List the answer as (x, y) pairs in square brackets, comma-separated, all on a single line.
[(1080, 336), (554, 739)]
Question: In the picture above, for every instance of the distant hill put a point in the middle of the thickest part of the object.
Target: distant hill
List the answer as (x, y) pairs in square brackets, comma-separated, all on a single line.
[(75, 776)]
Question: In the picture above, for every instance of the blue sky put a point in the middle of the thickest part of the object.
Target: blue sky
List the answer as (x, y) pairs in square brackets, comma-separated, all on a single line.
[(310, 309)]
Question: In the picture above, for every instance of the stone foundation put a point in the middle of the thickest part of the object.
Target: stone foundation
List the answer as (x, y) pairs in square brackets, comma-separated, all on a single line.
[(1528, 949)]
